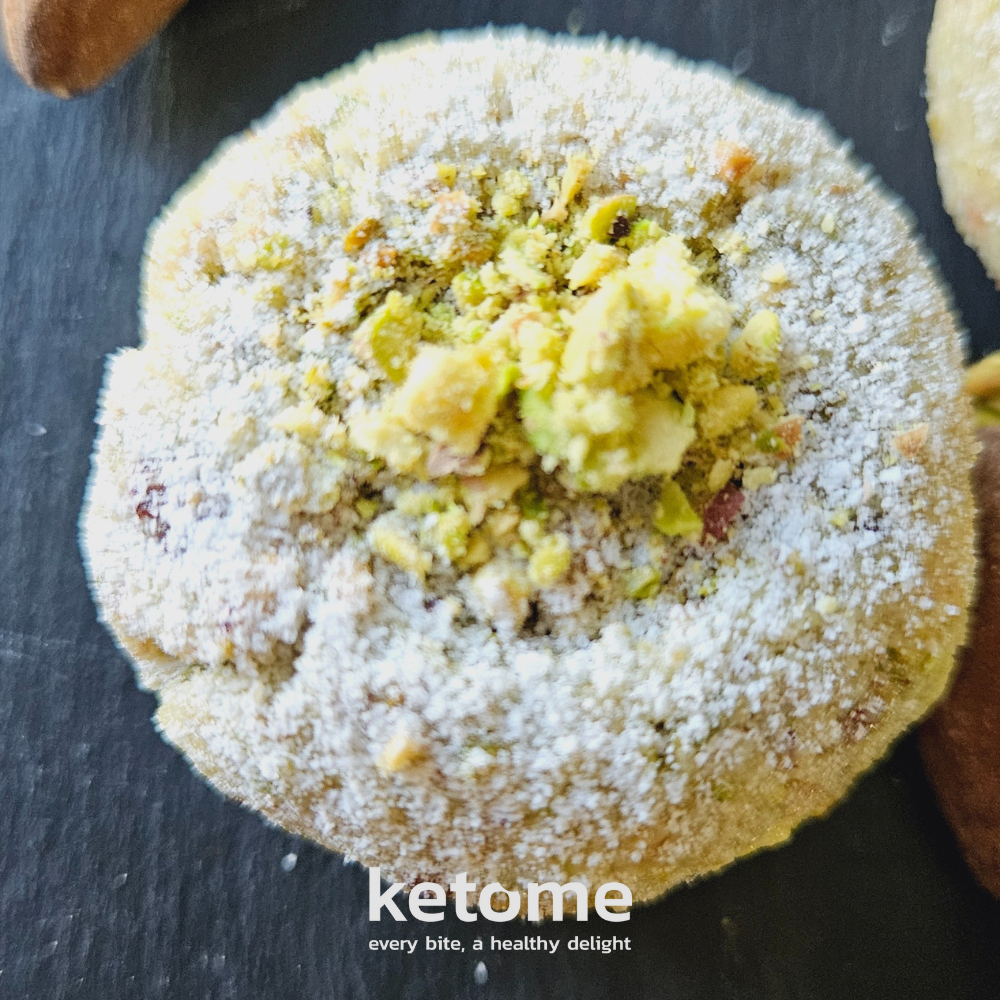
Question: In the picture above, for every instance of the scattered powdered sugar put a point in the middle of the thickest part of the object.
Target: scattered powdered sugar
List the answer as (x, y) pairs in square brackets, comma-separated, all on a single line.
[(288, 661)]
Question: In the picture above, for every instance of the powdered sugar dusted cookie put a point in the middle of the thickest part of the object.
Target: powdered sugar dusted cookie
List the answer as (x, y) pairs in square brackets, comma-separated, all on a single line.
[(544, 460), (963, 98)]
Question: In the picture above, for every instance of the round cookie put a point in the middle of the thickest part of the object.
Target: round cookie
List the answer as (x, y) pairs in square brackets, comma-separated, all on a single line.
[(555, 470), (963, 114), (960, 743)]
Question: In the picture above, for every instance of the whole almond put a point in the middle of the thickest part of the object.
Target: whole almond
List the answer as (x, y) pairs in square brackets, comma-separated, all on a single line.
[(71, 46)]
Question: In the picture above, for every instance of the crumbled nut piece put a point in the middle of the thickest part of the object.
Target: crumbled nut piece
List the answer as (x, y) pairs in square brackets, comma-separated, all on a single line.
[(391, 543), (597, 260), (561, 356), (840, 518), (447, 173), (442, 461), (390, 335), (788, 431), (776, 274), (908, 443), (642, 582), (402, 751), (491, 490), (732, 162), (577, 170), (727, 409), (452, 210), (758, 476), (360, 233), (827, 605), (721, 472), (754, 353), (503, 591), (505, 204), (449, 533), (828, 224), (385, 255), (550, 560), (674, 514), (366, 509), (304, 420), (450, 395)]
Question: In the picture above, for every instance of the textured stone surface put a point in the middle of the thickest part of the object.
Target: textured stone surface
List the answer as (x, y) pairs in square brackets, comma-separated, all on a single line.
[(121, 874)]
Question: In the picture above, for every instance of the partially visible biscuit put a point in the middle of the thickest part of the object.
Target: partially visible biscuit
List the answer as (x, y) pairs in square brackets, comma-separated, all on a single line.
[(960, 744), (963, 99), (68, 47)]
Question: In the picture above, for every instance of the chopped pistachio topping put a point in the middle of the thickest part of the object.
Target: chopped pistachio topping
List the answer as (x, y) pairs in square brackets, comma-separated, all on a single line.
[(539, 360)]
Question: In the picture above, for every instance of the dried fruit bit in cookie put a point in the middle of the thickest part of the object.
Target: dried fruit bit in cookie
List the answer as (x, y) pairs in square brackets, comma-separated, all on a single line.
[(722, 511), (983, 378), (359, 234), (550, 560), (909, 443), (732, 162), (674, 514), (577, 170), (401, 752), (600, 217), (395, 546), (754, 353)]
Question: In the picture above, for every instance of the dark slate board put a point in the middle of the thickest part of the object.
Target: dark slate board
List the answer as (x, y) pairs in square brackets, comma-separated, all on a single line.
[(121, 874)]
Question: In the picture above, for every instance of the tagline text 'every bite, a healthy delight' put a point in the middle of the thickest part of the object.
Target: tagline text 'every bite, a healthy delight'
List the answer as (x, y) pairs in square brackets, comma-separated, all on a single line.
[(595, 942), (429, 896)]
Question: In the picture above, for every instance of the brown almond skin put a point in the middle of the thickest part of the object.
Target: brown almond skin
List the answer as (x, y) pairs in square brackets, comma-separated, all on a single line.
[(68, 47), (960, 743)]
